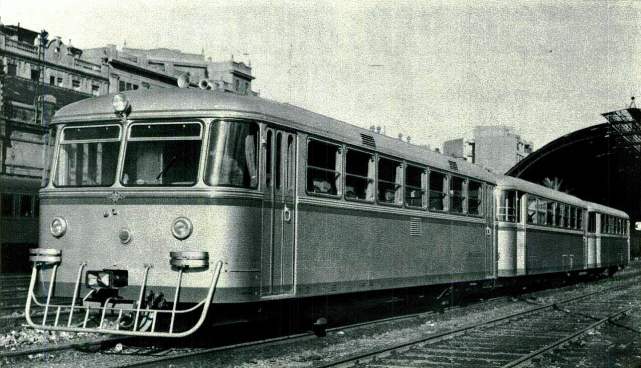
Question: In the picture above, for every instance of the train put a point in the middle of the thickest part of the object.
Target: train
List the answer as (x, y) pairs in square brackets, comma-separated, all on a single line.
[(18, 222), (171, 207)]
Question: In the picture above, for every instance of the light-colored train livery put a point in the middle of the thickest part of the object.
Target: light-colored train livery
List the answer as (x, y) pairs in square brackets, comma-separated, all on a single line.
[(213, 198)]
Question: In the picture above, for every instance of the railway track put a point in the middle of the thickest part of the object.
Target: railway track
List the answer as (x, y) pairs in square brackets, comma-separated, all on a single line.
[(141, 356), (173, 357), (508, 341)]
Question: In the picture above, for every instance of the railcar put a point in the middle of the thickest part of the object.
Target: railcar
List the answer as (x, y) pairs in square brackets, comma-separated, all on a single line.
[(18, 222), (608, 238), (183, 204)]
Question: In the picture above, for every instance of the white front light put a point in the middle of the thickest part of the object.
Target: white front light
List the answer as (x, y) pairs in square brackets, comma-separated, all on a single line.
[(181, 228), (58, 227), (120, 103)]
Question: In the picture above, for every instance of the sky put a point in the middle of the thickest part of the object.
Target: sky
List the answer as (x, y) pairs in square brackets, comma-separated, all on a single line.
[(431, 70)]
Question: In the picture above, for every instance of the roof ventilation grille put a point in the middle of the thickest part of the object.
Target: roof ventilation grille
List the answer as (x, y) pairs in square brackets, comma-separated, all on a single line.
[(368, 140)]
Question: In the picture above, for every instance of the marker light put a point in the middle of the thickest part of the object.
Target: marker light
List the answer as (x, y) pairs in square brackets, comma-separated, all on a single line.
[(120, 103), (181, 228), (58, 227), (107, 279)]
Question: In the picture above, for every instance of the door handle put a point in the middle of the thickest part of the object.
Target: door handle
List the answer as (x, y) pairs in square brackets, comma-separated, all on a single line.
[(287, 214)]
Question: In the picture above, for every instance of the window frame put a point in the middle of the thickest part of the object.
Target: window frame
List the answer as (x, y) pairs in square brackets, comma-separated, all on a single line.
[(339, 170), (60, 141), (397, 186), (372, 179), (463, 195), (424, 183), (480, 197), (204, 132), (445, 191)]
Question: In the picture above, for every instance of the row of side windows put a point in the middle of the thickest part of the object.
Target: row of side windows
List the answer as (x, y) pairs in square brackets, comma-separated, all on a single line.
[(540, 211), (547, 212), (368, 177), (613, 225)]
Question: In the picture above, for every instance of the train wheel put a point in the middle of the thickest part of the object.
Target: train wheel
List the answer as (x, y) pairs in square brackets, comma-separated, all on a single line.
[(320, 327)]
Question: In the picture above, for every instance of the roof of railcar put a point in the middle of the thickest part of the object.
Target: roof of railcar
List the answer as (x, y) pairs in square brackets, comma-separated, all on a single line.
[(508, 182), (190, 102), (606, 210)]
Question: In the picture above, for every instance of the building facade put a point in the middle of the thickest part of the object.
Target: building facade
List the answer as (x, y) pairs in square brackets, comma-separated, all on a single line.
[(497, 148), (131, 69)]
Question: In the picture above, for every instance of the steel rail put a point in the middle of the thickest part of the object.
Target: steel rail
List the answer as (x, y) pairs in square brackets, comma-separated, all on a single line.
[(361, 357), (519, 362), (306, 336)]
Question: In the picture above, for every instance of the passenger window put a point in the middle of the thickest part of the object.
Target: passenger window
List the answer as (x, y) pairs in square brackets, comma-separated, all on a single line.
[(359, 175), (438, 195), (579, 218), (592, 222), (457, 196), (390, 175), (572, 217), (558, 216), (541, 210), (550, 213), (531, 210), (277, 169), (506, 208), (415, 179), (323, 167), (474, 192), (565, 209)]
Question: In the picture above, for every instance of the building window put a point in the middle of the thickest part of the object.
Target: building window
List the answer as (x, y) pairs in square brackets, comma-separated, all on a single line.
[(12, 69), (35, 74), (323, 167), (390, 176), (95, 90), (26, 206), (415, 181), (359, 176), (128, 87), (121, 86), (438, 193), (145, 85), (75, 84), (135, 86), (52, 80), (59, 82), (474, 193), (237, 85), (7, 205)]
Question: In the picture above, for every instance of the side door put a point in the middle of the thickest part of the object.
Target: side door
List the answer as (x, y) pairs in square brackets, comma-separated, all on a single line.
[(490, 231), (277, 251)]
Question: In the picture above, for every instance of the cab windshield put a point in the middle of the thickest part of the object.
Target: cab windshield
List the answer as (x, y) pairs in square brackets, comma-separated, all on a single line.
[(164, 154), (88, 156)]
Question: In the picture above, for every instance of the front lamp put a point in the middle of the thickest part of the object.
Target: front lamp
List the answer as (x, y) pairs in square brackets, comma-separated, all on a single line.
[(58, 227), (120, 103), (181, 228)]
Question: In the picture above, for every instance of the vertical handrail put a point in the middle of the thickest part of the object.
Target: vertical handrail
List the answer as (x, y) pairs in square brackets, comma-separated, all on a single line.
[(176, 295), (32, 285), (51, 282), (104, 310), (142, 294), (75, 292)]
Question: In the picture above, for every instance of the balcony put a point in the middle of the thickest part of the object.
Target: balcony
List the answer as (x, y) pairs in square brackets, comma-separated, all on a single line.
[(25, 47)]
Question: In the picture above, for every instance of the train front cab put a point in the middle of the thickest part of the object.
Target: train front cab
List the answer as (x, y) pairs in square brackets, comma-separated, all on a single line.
[(539, 230), (608, 238)]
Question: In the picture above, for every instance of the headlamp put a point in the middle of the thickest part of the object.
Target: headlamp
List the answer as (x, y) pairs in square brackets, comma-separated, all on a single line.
[(181, 228), (58, 227), (120, 104)]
